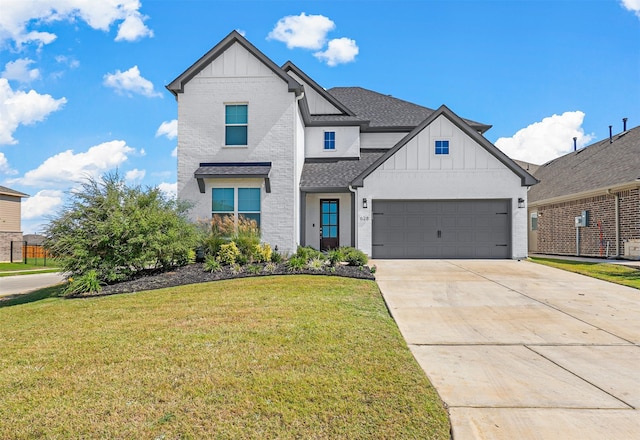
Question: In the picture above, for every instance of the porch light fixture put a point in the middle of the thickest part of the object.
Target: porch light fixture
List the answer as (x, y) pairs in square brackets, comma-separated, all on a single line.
[(364, 203), (520, 202)]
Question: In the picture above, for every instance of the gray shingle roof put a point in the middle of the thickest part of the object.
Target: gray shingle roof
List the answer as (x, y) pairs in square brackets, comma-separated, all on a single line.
[(11, 192), (387, 111), (599, 166), (236, 169), (338, 174)]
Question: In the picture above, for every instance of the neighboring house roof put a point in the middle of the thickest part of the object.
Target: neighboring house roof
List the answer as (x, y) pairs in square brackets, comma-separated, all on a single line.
[(11, 192), (526, 178), (597, 167), (386, 112), (332, 175), (177, 85)]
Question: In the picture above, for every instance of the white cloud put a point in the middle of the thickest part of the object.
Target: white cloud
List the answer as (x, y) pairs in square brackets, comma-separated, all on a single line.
[(68, 168), (135, 175), (20, 17), (168, 129), (304, 31), (174, 152), (41, 204), (632, 5), (339, 51), (22, 108), (4, 166), (71, 62), (130, 82), (19, 70), (543, 141), (170, 190), (133, 28)]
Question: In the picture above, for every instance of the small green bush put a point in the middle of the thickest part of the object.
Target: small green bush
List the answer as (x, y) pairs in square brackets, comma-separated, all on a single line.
[(86, 283), (317, 264), (228, 254), (354, 257), (262, 253), (211, 264), (270, 267), (253, 269), (296, 264), (276, 257), (307, 253), (335, 256)]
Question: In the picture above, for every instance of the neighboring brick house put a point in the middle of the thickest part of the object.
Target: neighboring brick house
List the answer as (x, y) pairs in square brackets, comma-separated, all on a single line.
[(602, 180), (345, 166), (10, 230)]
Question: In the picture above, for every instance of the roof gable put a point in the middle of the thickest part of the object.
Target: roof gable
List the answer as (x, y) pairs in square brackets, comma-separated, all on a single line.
[(599, 166), (309, 83), (526, 178), (177, 85)]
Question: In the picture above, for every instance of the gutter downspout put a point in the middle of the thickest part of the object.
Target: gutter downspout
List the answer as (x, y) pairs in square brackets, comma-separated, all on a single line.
[(617, 219), (354, 223), (302, 205)]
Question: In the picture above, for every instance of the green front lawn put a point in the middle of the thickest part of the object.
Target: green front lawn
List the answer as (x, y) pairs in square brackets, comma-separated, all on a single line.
[(272, 357), (615, 273)]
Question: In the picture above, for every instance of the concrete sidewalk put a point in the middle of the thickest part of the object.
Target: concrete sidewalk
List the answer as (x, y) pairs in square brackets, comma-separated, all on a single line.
[(519, 350), (19, 284)]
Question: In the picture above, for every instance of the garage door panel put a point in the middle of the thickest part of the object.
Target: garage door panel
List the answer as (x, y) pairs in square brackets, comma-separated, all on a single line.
[(441, 229)]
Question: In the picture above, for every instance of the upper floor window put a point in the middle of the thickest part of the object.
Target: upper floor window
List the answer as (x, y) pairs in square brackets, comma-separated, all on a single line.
[(236, 124), (329, 140), (442, 147)]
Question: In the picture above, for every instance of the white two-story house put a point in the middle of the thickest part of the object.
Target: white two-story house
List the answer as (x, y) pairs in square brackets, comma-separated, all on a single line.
[(341, 167)]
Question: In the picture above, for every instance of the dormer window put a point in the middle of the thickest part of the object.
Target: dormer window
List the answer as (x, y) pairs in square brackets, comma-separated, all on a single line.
[(236, 124), (442, 147), (329, 140)]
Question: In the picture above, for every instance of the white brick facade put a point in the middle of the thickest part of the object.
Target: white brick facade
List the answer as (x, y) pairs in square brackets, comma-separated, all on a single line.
[(281, 132)]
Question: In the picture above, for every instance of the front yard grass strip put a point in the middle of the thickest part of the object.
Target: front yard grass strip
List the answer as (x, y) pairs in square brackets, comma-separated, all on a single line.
[(615, 273), (272, 357), (11, 269)]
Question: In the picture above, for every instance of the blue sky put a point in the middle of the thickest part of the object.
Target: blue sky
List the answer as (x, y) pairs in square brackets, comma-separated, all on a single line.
[(82, 83)]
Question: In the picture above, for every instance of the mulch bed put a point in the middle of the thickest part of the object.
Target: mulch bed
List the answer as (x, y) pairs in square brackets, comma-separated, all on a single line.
[(195, 273)]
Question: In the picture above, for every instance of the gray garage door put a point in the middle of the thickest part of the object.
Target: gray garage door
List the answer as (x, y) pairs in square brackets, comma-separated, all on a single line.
[(441, 229)]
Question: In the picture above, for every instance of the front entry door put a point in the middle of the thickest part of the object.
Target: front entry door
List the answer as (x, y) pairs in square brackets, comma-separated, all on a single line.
[(329, 224)]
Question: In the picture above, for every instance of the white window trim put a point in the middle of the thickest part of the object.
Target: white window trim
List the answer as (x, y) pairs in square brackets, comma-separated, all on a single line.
[(335, 143), (224, 118), (433, 146)]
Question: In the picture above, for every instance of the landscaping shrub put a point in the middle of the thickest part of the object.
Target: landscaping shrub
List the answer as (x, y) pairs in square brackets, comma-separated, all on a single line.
[(354, 257), (335, 256), (296, 263), (211, 264), (116, 231), (86, 283), (317, 264), (228, 254), (307, 253)]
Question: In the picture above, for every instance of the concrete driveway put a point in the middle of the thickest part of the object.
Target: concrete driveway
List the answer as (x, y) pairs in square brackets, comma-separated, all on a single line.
[(521, 351)]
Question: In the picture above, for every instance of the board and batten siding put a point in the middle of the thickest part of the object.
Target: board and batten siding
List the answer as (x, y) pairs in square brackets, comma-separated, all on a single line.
[(318, 105), (236, 76), (415, 172)]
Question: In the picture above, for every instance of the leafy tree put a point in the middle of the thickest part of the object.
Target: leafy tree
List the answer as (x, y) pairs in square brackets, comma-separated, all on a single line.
[(117, 230)]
